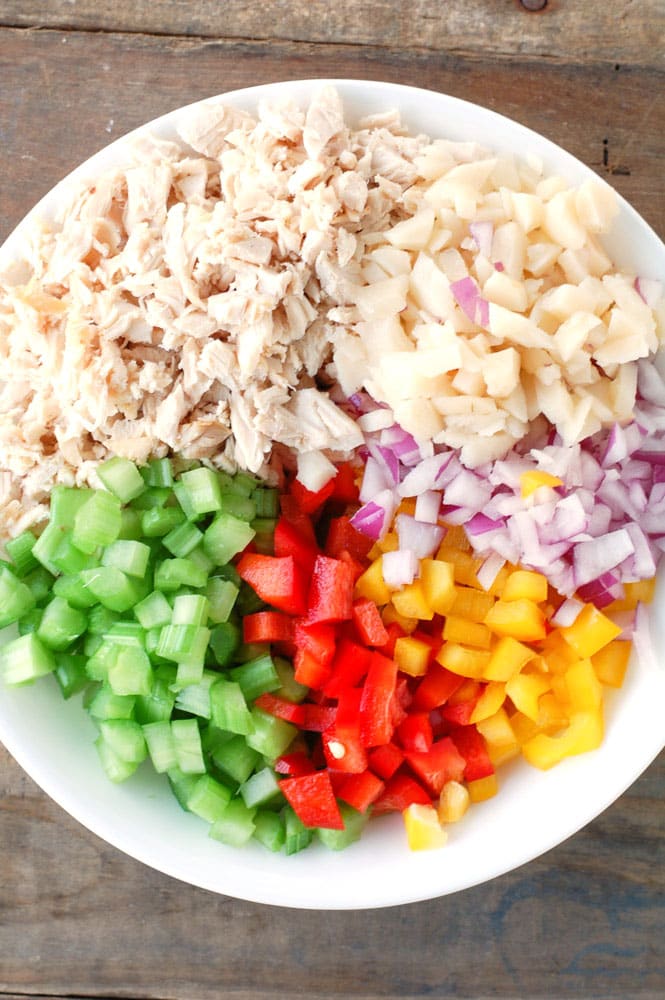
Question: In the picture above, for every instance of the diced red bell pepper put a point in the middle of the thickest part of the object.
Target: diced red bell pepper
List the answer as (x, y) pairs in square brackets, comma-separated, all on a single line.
[(309, 670), (345, 489), (415, 732), (281, 708), (385, 760), (436, 687), (277, 581), (360, 790), (316, 638), (309, 501), (368, 623), (343, 537), (395, 632), (296, 764), (441, 763), (400, 792), (357, 568), (289, 540), (347, 714), (291, 512), (376, 703), (348, 668), (318, 718), (460, 713), (473, 749), (343, 750), (312, 798), (330, 597), (267, 626)]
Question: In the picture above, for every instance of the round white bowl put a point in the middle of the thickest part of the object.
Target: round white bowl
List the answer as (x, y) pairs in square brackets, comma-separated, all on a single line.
[(534, 811)]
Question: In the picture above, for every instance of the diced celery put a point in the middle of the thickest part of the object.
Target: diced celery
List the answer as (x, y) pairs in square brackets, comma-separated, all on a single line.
[(125, 738), (260, 789), (70, 673), (297, 835), (61, 624), (154, 496), (16, 598), (354, 824), (221, 596), (235, 826), (229, 572), (158, 472), (40, 583), (105, 704), (212, 738), (68, 559), (153, 611), (181, 784), (65, 503), (100, 660), (100, 620), (226, 537), (182, 539), (158, 521), (269, 829), (190, 609), (19, 550), (91, 644), (208, 798), (248, 601), (256, 677), (202, 560), (131, 671), (161, 747), (30, 621), (158, 705), (187, 740), (195, 698), (97, 522), (46, 546), (264, 537), (238, 506), (115, 767), (228, 708), (75, 590), (124, 633), (203, 490), (171, 574), (113, 588), (289, 686), (184, 643), (251, 651), (242, 483), (271, 736), (130, 524), (235, 758), (129, 556), (266, 501), (122, 478), (224, 641), (25, 659)]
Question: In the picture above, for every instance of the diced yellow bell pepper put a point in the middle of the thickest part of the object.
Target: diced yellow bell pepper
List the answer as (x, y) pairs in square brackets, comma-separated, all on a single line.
[(584, 688), (411, 602), (472, 604), (423, 829), (611, 662), (483, 788), (457, 538), (507, 659), (523, 727), (438, 582), (525, 583), (412, 656), (467, 691), (462, 630), (560, 689), (407, 506), (590, 631), (489, 702), (584, 733), (524, 690), (640, 592), (389, 615), (497, 730), (499, 582), (453, 802), (552, 714), (521, 619), (372, 585), (534, 479), (557, 654), (462, 660), (389, 542), (465, 565), (500, 755)]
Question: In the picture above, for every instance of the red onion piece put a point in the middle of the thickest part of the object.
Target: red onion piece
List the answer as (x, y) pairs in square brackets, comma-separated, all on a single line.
[(470, 301), (483, 234), (414, 536), (399, 568)]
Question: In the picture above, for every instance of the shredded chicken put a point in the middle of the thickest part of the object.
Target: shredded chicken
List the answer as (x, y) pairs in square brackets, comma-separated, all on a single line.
[(190, 301)]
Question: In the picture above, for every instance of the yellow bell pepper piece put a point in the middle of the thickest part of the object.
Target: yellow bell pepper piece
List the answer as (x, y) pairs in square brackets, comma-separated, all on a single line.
[(640, 592), (372, 585), (389, 542), (453, 802), (389, 615), (523, 727), (483, 788), (411, 602), (525, 583), (499, 582), (552, 714), (556, 652), (462, 630), (497, 730), (457, 538), (584, 688), (438, 583), (534, 479), (462, 660), (465, 565), (423, 829), (501, 755), (584, 733), (521, 619), (590, 631), (611, 662), (412, 656), (524, 690), (507, 659), (489, 702), (472, 604)]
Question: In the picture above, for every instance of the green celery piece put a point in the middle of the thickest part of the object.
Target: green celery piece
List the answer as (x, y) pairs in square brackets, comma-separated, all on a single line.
[(184, 644), (65, 503), (221, 596), (106, 704), (125, 738), (161, 748), (354, 824), (75, 590), (19, 550), (97, 522), (130, 524), (235, 826), (297, 835), (181, 784), (158, 472), (203, 490), (264, 538), (201, 560), (260, 789), (154, 496), (182, 539), (190, 609), (114, 589), (257, 677), (195, 698), (115, 768), (122, 478), (271, 736), (266, 501), (289, 686), (30, 622), (235, 758), (16, 598), (269, 829), (248, 602), (68, 559), (224, 641), (25, 659), (70, 673), (187, 740), (153, 611), (158, 521), (208, 798), (127, 555), (238, 506), (171, 574), (131, 671), (61, 624), (229, 709), (158, 705), (46, 546), (100, 620), (125, 633), (226, 537), (40, 583)]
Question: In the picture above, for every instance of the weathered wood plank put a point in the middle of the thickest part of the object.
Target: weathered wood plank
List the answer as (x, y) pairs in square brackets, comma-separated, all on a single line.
[(593, 31), (65, 95), (78, 918)]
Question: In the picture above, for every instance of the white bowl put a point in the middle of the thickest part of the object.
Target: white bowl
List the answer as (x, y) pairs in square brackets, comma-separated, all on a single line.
[(52, 739)]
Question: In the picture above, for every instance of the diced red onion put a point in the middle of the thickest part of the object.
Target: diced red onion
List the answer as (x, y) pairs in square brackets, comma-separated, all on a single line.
[(376, 479), (480, 524), (375, 517), (490, 569), (595, 557), (567, 613), (428, 505), (642, 640), (483, 234), (414, 536), (649, 290), (470, 301), (399, 568)]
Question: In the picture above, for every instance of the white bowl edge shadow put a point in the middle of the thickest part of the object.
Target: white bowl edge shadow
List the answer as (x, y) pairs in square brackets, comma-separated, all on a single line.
[(533, 812)]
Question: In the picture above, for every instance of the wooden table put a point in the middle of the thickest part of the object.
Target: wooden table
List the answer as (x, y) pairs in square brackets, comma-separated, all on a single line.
[(77, 918)]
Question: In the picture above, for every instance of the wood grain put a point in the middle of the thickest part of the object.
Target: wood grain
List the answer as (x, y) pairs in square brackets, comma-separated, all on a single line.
[(592, 31)]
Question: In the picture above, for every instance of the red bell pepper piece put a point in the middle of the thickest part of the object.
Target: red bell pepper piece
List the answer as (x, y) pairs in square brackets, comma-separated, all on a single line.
[(345, 489), (400, 792), (385, 760), (331, 586), (343, 537), (360, 790), (341, 743), (277, 581), (292, 513), (290, 540), (309, 501), (368, 623), (312, 798), (316, 638), (358, 568), (460, 713), (281, 708), (441, 763), (471, 744), (415, 732), (348, 668), (309, 670), (376, 703), (436, 687), (317, 718), (296, 764), (267, 626), (395, 632)]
